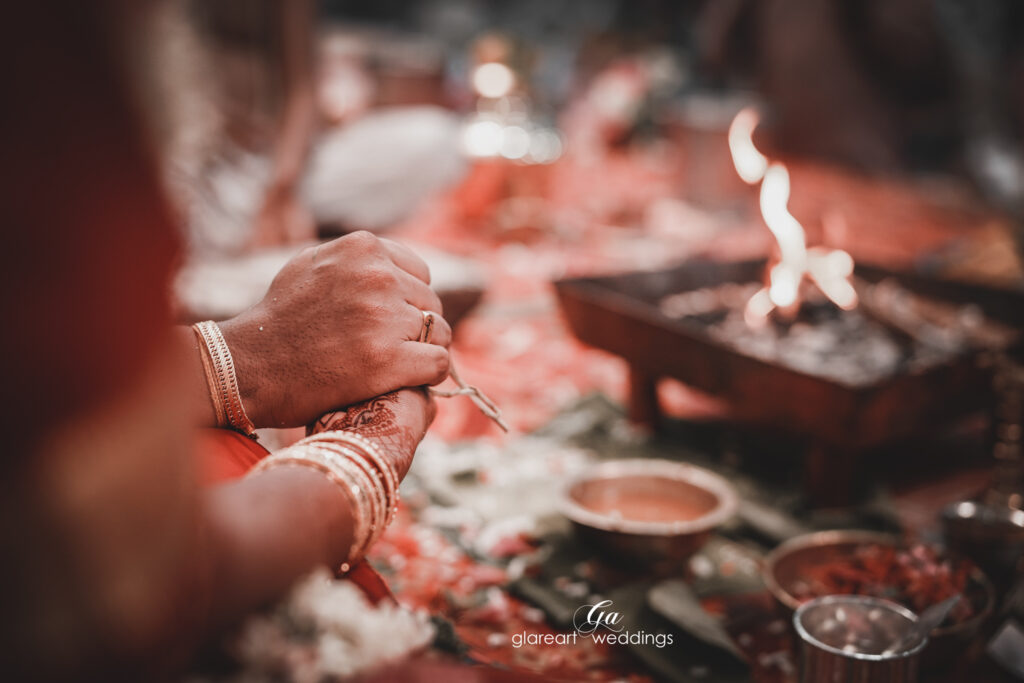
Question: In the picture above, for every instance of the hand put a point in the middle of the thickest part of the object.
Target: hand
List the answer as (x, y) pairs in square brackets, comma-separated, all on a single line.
[(339, 325), (395, 422)]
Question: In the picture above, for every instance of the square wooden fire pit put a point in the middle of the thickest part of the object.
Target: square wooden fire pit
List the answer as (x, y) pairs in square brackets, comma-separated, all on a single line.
[(621, 314)]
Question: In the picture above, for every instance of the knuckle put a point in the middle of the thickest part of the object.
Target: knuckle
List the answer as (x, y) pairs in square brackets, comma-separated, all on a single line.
[(363, 240), (441, 365), (324, 265), (445, 335), (428, 298), (379, 277), (426, 269)]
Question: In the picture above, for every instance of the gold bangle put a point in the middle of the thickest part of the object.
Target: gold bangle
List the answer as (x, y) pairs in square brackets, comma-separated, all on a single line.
[(222, 382), (376, 503), (357, 498), (385, 495), (211, 380), (367, 451), (371, 452), (356, 464)]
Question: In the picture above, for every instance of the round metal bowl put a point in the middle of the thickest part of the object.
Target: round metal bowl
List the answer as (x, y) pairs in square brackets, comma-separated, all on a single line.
[(786, 565), (991, 535), (848, 637), (648, 511)]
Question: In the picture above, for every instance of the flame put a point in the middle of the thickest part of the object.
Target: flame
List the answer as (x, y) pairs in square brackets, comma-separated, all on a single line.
[(774, 208), (749, 162), (759, 307), (829, 269)]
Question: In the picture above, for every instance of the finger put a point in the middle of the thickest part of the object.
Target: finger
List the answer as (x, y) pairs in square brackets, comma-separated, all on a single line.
[(420, 395), (440, 331), (418, 294), (431, 409), (417, 364), (441, 335), (406, 259)]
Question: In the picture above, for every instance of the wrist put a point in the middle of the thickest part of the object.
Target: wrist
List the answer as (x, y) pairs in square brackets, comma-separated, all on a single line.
[(359, 471), (245, 353), (222, 379)]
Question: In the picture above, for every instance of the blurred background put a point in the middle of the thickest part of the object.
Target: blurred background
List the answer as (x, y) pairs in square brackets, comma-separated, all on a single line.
[(778, 238), (518, 144), (250, 96)]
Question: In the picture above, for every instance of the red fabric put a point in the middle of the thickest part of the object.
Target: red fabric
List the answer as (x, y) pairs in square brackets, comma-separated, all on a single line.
[(225, 455), (373, 585)]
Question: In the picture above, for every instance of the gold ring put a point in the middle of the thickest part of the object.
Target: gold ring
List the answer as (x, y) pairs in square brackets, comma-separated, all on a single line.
[(428, 327)]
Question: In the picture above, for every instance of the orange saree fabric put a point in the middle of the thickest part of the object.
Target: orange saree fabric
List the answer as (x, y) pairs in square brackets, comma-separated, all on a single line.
[(225, 455)]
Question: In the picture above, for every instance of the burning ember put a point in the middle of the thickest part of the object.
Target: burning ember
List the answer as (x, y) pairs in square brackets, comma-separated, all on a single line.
[(829, 269)]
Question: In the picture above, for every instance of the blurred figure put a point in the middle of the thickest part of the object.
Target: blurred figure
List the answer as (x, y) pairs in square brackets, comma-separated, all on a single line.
[(271, 131), (234, 95), (881, 84), (117, 563)]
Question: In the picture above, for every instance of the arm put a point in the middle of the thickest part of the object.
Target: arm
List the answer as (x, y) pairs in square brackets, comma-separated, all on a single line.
[(255, 552), (297, 119), (283, 218), (249, 547), (140, 564)]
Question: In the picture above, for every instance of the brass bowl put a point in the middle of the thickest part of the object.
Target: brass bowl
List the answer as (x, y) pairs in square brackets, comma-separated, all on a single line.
[(647, 511), (785, 565)]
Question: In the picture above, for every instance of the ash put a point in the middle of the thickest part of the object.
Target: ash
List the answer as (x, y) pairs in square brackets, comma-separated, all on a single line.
[(824, 341)]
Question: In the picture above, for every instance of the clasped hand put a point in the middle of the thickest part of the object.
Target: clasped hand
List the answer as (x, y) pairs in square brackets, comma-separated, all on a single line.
[(339, 325)]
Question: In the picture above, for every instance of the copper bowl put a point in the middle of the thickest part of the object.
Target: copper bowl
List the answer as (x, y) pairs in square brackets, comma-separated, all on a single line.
[(786, 565), (646, 511)]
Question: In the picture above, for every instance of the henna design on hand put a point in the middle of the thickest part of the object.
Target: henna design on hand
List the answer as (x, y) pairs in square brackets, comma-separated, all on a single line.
[(376, 420), (373, 418)]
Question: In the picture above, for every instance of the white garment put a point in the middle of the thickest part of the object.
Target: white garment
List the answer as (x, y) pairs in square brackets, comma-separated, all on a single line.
[(376, 170)]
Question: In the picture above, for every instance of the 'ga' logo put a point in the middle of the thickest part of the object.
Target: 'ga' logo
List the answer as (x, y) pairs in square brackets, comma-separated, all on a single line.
[(588, 618)]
